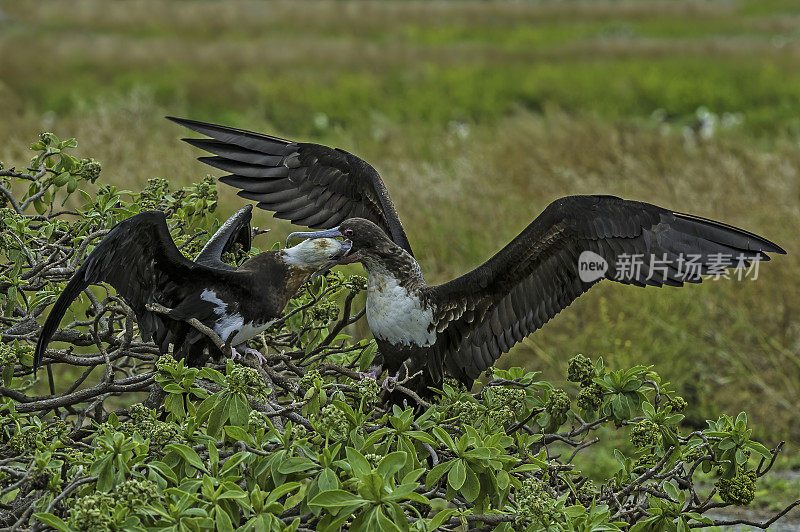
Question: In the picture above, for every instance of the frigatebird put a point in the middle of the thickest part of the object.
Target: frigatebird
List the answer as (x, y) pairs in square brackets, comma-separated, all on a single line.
[(464, 325), (140, 260)]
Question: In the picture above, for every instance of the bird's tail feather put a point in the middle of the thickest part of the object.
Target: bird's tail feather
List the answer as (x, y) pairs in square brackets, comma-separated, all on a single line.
[(74, 287)]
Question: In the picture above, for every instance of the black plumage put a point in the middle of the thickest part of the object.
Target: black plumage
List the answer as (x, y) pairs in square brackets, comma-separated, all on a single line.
[(309, 184), (469, 321), (463, 326), (140, 260)]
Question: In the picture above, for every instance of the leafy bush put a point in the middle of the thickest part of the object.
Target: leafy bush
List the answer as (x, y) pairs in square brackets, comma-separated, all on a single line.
[(305, 441)]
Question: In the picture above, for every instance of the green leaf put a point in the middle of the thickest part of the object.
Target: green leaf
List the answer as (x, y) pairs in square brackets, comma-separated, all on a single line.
[(239, 434), (436, 473), (223, 521), (457, 475), (357, 461), (671, 490), (391, 463), (440, 518), (188, 454), (327, 480), (52, 521), (336, 499), (239, 409), (164, 470), (472, 486), (296, 464), (503, 479), (759, 449)]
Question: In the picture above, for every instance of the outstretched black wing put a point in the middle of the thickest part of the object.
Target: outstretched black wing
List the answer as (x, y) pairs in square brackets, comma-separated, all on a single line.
[(485, 312), (139, 259), (235, 230), (309, 184)]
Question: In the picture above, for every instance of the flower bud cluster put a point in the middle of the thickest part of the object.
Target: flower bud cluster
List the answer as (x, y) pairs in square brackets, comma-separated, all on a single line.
[(373, 459), (8, 354), (590, 397), (332, 422), (369, 390), (136, 493), (153, 194), (534, 503), (307, 381), (165, 363), (645, 434), (90, 169), (23, 441), (235, 253), (246, 380), (645, 462), (92, 513), (739, 490), (207, 190), (299, 432), (677, 403), (580, 370), (510, 396), (557, 406), (145, 423), (587, 492), (468, 412), (502, 416), (325, 311), (356, 283)]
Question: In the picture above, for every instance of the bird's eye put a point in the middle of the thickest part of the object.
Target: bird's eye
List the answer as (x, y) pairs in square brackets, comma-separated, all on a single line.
[(348, 232)]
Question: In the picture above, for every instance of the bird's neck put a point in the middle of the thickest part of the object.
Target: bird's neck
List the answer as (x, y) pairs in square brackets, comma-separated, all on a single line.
[(271, 266), (397, 265)]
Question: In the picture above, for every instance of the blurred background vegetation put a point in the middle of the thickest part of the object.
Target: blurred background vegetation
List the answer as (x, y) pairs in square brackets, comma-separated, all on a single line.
[(477, 115)]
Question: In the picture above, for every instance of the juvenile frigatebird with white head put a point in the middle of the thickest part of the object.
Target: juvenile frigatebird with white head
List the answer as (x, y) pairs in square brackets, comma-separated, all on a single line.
[(140, 260), (464, 325)]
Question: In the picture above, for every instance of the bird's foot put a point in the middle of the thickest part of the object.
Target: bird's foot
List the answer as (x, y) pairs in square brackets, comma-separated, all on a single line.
[(256, 353), (390, 382), (368, 375), (238, 356)]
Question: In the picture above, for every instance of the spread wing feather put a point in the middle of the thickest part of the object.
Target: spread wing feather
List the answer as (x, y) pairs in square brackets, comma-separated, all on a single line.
[(235, 230), (482, 314), (139, 259), (309, 184)]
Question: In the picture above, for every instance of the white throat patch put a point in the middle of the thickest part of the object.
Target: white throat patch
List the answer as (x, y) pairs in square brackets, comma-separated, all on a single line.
[(394, 314)]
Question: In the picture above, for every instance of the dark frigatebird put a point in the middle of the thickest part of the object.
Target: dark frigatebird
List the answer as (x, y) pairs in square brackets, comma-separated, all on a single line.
[(464, 325), (140, 260)]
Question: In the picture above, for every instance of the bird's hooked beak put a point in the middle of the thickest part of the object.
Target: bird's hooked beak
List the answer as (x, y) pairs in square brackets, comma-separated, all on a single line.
[(327, 233)]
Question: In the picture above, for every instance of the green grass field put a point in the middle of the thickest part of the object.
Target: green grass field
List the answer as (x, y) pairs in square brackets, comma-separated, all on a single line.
[(477, 115)]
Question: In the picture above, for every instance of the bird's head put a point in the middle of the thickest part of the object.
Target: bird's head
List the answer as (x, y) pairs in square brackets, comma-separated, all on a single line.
[(317, 255), (368, 242)]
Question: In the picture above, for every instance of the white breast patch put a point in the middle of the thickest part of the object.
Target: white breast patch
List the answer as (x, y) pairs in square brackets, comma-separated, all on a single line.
[(227, 324), (395, 315)]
